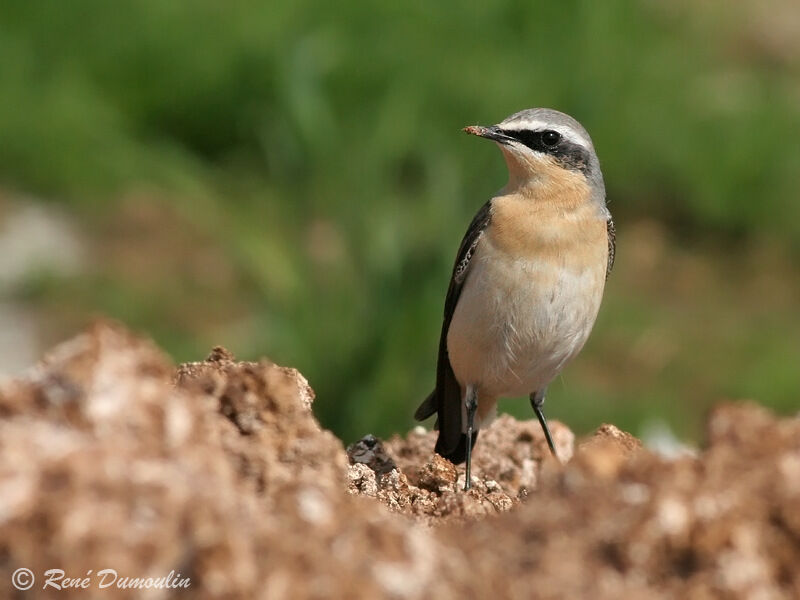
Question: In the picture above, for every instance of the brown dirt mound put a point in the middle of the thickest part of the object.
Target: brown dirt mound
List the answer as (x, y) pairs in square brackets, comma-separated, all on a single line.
[(112, 459)]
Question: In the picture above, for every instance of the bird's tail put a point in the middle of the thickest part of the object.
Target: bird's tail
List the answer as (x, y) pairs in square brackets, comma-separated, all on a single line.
[(427, 408), (452, 443), (459, 454)]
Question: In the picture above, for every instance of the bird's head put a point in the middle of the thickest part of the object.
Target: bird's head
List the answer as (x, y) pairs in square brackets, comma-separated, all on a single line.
[(546, 148)]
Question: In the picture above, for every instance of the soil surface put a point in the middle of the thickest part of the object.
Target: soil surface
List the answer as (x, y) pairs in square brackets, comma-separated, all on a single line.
[(111, 458)]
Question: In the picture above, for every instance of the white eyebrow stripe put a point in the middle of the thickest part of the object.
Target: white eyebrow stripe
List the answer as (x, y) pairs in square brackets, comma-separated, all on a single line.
[(568, 132)]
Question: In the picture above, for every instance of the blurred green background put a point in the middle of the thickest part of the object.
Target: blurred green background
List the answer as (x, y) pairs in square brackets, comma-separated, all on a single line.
[(288, 179)]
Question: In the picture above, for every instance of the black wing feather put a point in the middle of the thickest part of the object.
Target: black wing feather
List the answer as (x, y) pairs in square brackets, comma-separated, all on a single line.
[(612, 245), (445, 399)]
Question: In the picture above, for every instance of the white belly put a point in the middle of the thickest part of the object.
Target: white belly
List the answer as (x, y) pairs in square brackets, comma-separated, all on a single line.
[(518, 322)]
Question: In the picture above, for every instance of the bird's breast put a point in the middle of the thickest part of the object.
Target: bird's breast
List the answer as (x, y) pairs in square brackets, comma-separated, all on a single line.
[(530, 299)]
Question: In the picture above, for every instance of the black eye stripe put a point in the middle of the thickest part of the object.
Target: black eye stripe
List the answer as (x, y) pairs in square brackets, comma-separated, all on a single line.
[(571, 155), (541, 141)]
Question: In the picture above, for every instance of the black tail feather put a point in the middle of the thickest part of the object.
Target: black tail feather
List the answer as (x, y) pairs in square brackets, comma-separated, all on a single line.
[(427, 408), (459, 454)]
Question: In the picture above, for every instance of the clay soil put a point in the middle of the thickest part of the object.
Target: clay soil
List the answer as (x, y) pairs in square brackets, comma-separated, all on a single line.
[(111, 457)]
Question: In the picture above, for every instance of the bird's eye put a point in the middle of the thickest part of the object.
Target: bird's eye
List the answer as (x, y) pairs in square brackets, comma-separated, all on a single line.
[(550, 138)]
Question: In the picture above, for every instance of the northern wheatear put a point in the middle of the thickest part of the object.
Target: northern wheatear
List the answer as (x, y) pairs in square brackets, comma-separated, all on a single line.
[(527, 281)]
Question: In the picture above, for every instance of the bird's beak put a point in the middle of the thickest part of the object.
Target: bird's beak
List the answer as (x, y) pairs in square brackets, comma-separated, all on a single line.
[(490, 133)]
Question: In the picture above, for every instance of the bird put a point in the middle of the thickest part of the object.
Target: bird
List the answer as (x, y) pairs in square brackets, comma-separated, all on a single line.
[(527, 282)]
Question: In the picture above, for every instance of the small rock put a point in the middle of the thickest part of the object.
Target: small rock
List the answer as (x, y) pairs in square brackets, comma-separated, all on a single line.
[(369, 451)]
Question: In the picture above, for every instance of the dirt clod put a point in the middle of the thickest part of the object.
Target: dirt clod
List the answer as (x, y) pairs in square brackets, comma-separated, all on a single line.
[(112, 458), (438, 475)]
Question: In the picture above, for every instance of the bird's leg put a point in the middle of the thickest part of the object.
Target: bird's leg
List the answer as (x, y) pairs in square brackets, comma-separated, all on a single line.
[(537, 401), (471, 402)]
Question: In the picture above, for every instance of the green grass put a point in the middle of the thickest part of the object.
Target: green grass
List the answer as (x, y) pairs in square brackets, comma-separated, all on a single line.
[(301, 170)]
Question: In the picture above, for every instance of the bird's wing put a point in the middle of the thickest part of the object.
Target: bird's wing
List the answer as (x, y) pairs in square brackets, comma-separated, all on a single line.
[(446, 396), (612, 245)]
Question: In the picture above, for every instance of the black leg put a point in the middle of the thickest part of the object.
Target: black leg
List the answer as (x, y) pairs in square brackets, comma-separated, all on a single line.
[(471, 402), (537, 401)]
